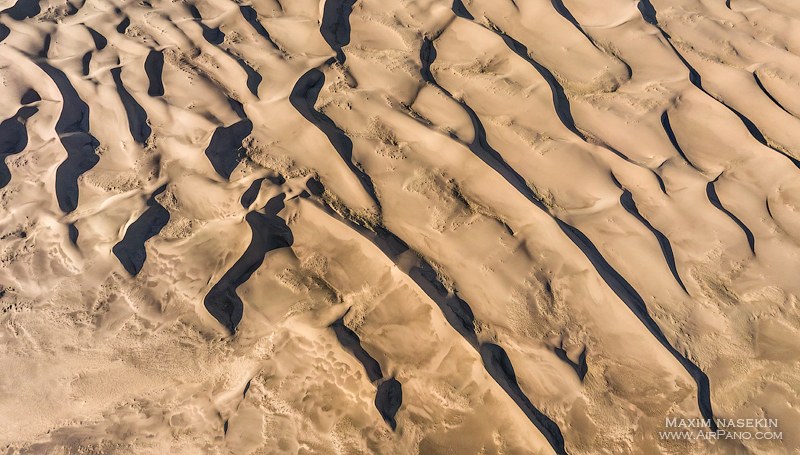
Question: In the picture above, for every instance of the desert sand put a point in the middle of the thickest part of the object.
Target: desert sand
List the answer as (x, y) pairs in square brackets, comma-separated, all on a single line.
[(398, 226)]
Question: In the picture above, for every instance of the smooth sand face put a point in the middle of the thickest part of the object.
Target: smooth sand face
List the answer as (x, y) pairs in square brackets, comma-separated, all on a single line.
[(398, 226)]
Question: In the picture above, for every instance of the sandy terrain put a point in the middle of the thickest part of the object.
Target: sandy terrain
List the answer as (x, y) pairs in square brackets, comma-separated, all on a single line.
[(398, 226)]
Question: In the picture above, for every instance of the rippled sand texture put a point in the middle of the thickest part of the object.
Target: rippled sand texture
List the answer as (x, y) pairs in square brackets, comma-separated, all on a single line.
[(397, 226)]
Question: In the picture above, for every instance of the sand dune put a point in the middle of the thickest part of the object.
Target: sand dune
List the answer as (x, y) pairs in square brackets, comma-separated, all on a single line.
[(399, 226)]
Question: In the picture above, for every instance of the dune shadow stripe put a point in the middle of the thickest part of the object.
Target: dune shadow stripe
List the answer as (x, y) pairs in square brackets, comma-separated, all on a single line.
[(251, 16), (500, 368), (389, 393), (711, 193), (137, 116), (460, 317), (303, 97), (634, 302), (388, 399), (649, 15), (269, 232), (131, 250), (23, 9), (13, 138), (72, 128), (335, 25), (626, 199), (581, 367), (153, 68), (225, 149), (615, 281)]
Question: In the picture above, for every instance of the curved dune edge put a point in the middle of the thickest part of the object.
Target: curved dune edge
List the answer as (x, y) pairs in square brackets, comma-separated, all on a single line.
[(398, 226)]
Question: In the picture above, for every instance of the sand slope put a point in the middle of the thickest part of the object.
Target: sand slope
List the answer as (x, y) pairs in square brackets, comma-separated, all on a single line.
[(397, 226)]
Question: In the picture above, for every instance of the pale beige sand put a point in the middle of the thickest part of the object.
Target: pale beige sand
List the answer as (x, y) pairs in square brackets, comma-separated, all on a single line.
[(552, 225)]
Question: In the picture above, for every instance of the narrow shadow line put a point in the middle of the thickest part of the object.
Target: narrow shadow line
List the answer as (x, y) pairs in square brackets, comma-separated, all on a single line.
[(459, 316), (769, 95), (497, 363), (479, 146), (561, 103), (389, 393), (213, 35), (711, 192), (216, 37), (614, 280), (303, 97), (634, 302), (251, 16), (559, 6), (665, 123), (72, 233), (352, 344), (649, 15), (253, 77), (456, 311), (627, 201), (581, 367), (237, 108)]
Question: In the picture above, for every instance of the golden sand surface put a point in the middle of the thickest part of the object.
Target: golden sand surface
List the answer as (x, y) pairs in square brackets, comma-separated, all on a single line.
[(399, 226)]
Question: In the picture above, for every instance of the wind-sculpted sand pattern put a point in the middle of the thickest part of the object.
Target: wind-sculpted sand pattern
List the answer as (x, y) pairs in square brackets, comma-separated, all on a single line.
[(398, 226)]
